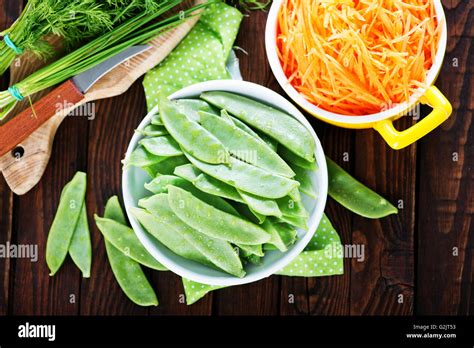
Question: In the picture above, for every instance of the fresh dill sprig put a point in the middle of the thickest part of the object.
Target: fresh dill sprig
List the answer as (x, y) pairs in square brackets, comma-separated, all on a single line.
[(136, 30), (75, 21)]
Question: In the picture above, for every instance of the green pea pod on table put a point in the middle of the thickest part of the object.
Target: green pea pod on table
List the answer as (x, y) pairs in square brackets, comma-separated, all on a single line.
[(64, 223), (191, 136), (278, 125), (80, 249), (213, 222), (128, 272), (355, 196), (124, 239)]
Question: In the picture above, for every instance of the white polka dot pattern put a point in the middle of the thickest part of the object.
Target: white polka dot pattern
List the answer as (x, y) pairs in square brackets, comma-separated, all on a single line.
[(201, 56)]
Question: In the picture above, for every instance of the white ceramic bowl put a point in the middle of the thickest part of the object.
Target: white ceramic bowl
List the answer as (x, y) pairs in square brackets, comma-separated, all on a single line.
[(134, 178)]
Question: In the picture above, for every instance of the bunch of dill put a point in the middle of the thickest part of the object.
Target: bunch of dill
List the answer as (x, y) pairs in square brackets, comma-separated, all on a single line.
[(73, 20)]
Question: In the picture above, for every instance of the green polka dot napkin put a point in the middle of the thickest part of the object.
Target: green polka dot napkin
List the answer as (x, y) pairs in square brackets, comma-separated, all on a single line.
[(202, 56)]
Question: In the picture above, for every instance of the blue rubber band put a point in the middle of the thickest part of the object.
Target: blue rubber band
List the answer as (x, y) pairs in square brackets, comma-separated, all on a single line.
[(10, 44), (15, 92)]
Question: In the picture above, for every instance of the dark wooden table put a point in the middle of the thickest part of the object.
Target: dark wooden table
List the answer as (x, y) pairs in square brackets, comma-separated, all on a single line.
[(418, 262)]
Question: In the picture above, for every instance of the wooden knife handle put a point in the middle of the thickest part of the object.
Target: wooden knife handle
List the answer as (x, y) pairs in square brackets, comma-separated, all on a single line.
[(26, 122)]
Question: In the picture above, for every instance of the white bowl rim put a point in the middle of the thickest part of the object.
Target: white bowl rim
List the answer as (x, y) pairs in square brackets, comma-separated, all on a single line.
[(397, 110), (243, 88)]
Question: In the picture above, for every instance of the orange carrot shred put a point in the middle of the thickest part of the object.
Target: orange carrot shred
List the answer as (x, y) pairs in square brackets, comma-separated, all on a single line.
[(357, 57)]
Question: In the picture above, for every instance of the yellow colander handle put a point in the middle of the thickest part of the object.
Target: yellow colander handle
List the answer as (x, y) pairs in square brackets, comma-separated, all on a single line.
[(442, 109)]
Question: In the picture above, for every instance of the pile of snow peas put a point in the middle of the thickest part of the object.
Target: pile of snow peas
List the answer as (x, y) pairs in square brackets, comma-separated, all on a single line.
[(227, 175)]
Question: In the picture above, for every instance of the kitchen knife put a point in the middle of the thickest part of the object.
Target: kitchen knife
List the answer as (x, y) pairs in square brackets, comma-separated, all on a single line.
[(65, 96)]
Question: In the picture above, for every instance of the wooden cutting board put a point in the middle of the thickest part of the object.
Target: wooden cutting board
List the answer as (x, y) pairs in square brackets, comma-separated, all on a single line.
[(24, 166)]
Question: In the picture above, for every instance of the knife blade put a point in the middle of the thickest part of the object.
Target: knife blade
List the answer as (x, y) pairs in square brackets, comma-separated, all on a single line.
[(69, 93)]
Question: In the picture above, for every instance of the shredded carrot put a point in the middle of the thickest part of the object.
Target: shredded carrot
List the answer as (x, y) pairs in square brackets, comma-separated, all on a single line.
[(357, 57)]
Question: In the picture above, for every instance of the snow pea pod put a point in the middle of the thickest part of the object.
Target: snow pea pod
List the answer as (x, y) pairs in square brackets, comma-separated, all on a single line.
[(275, 240), (254, 259), (191, 108), (273, 144), (207, 183), (217, 251), (215, 201), (213, 222), (289, 207), (140, 157), (248, 178), (164, 146), (272, 122), (64, 223), (131, 278), (187, 171), (124, 239), (264, 206), (287, 235), (161, 182), (244, 146), (256, 250), (127, 272), (298, 221), (260, 206), (245, 211), (218, 203), (216, 187), (355, 196), (306, 186), (167, 235), (156, 120), (232, 120), (191, 136), (80, 249), (114, 212), (153, 130), (294, 159), (166, 166)]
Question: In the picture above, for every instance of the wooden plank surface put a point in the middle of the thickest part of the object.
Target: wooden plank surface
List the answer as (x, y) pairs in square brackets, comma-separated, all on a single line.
[(8, 12), (410, 265), (445, 191)]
